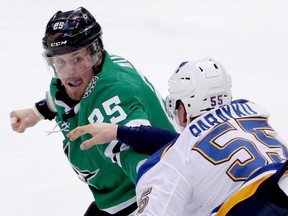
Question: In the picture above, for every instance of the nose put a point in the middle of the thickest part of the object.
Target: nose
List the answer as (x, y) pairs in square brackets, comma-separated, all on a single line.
[(70, 69)]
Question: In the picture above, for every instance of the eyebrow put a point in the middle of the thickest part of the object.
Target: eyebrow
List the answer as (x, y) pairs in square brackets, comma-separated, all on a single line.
[(76, 53), (72, 55)]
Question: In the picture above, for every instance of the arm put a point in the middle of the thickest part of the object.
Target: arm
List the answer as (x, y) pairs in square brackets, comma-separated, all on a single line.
[(144, 139)]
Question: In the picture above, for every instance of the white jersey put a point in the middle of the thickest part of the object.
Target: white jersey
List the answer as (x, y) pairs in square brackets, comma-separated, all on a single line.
[(209, 161)]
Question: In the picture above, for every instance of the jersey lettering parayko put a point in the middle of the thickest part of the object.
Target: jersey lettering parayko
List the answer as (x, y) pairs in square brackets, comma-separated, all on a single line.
[(235, 110)]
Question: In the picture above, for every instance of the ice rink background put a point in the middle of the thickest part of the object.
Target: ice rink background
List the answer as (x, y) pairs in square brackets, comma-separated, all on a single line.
[(249, 37)]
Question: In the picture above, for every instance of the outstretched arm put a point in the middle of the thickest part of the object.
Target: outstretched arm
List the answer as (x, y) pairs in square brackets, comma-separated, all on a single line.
[(144, 139), (43, 109)]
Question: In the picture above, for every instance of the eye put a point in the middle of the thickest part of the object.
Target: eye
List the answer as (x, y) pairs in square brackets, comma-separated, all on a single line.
[(59, 62), (77, 59)]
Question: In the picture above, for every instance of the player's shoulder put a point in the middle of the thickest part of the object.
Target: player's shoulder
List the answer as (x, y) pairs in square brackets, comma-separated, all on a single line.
[(117, 62), (118, 69)]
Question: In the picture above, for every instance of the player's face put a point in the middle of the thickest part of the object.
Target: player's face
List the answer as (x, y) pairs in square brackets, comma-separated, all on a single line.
[(75, 70), (72, 64)]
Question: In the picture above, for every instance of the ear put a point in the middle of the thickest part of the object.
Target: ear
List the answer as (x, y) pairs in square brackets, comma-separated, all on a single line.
[(182, 115)]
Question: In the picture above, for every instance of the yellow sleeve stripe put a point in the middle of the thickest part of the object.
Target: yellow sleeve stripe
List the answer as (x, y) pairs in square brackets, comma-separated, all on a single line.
[(165, 151), (242, 194)]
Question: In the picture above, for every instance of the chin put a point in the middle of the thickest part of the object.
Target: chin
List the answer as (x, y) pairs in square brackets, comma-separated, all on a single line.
[(75, 96)]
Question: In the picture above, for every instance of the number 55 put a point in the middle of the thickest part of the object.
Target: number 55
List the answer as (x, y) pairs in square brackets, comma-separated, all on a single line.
[(216, 100)]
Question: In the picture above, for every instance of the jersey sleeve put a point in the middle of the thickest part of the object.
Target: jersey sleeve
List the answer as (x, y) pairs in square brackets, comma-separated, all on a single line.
[(145, 139), (46, 107), (43, 108)]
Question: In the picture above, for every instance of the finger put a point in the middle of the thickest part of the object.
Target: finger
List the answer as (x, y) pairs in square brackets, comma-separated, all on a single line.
[(19, 127), (16, 124), (77, 132), (83, 146), (87, 144), (13, 120)]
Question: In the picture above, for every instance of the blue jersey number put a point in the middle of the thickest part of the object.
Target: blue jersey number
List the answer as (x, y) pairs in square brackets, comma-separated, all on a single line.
[(251, 158)]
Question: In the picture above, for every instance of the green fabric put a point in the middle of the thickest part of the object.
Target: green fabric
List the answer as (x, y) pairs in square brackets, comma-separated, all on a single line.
[(120, 95)]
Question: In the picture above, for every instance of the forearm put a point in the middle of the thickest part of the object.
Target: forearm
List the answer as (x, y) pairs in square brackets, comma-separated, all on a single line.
[(145, 139)]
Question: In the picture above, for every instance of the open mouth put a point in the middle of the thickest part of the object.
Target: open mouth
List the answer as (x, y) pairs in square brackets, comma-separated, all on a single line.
[(74, 84)]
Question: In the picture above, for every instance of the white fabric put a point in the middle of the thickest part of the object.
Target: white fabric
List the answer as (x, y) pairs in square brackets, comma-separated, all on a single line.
[(283, 184), (37, 113), (189, 181), (50, 102)]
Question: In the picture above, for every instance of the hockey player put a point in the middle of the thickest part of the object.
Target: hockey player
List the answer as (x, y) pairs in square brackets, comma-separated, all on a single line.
[(224, 143), (90, 85)]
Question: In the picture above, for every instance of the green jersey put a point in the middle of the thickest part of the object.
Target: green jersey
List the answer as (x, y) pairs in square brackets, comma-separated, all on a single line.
[(118, 94)]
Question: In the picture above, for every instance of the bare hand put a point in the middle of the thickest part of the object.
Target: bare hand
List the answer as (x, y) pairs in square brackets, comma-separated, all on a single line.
[(101, 132), (22, 119)]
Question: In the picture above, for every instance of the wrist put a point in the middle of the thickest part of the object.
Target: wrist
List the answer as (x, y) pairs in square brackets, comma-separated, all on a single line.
[(37, 113)]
